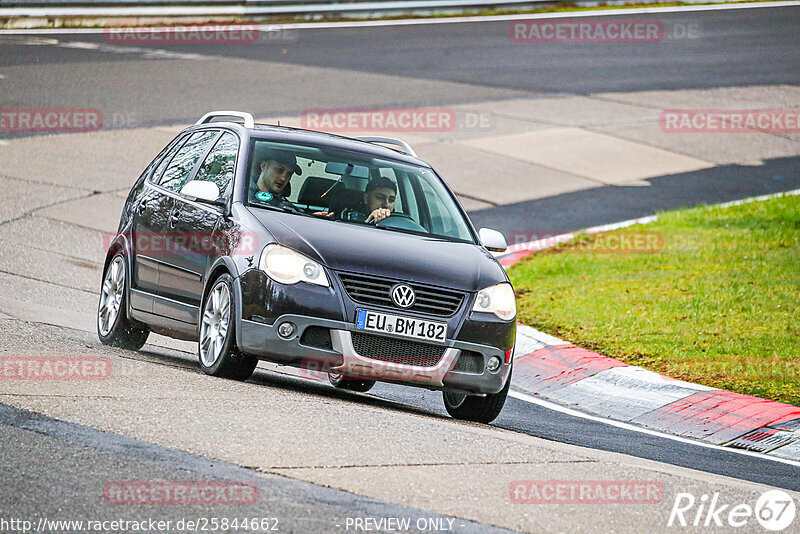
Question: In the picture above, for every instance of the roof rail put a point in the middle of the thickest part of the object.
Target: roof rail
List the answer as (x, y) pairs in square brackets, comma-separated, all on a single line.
[(249, 122), (389, 141)]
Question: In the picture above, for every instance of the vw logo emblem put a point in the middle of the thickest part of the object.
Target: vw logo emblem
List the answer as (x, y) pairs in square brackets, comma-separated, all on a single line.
[(403, 296)]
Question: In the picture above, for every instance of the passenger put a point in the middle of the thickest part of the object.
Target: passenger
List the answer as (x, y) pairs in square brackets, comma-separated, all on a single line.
[(377, 202), (275, 169)]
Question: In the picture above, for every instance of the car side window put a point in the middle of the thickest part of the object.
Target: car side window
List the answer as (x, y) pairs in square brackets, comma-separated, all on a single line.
[(182, 164), (442, 219), (219, 165), (164, 161), (405, 191), (390, 174)]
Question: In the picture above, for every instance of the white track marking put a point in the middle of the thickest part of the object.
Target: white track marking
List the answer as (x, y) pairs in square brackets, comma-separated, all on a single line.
[(756, 199), (626, 426), (147, 53), (80, 45)]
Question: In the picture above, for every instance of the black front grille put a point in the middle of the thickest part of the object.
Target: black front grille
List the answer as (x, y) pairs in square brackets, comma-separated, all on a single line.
[(377, 291), (317, 337), (469, 362), (398, 351)]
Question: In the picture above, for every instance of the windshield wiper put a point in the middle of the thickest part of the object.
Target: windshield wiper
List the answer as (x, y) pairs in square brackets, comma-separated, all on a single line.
[(285, 209), (424, 234)]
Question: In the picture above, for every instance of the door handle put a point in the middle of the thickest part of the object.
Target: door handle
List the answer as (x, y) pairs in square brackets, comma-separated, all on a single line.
[(142, 206), (173, 218)]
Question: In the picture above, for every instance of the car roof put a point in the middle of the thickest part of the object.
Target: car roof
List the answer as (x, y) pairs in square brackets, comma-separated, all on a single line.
[(333, 140), (302, 136)]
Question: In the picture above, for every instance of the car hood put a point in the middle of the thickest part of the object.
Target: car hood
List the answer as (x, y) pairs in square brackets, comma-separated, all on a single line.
[(361, 249)]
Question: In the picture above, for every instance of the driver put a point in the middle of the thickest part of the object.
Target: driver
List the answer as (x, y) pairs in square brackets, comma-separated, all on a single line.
[(271, 185), (377, 203)]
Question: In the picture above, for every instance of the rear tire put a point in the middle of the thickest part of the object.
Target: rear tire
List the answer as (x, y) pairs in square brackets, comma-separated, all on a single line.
[(114, 328), (216, 348), (340, 381), (477, 409)]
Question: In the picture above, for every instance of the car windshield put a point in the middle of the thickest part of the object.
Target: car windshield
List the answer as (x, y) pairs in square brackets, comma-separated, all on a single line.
[(344, 186)]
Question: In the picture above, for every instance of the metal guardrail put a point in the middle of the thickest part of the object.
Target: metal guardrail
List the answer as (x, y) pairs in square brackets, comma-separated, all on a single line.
[(96, 8), (129, 3)]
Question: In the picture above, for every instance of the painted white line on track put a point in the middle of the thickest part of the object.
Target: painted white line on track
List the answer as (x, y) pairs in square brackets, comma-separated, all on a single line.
[(458, 20), (3, 143), (147, 53), (524, 397), (756, 199), (79, 45)]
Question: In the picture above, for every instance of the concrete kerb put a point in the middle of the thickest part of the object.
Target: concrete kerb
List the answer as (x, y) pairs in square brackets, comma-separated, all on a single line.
[(560, 372)]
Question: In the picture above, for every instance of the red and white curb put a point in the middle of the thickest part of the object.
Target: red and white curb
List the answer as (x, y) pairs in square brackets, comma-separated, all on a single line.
[(558, 371), (549, 368)]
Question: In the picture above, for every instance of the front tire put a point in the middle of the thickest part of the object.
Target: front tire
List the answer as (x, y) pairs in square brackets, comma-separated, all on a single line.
[(114, 328), (340, 381), (216, 347), (477, 409)]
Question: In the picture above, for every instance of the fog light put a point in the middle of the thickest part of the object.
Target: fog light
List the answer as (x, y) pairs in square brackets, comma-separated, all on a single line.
[(494, 364), (285, 330)]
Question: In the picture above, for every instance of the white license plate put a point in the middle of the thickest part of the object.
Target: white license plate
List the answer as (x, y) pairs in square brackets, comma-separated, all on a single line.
[(401, 326)]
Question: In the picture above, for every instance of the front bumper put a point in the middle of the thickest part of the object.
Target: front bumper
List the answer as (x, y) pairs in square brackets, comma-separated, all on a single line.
[(340, 356)]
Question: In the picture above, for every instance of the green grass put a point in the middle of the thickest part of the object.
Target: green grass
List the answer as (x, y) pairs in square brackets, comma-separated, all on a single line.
[(718, 304)]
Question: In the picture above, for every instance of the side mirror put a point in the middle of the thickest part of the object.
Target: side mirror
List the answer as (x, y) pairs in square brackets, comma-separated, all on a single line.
[(493, 240), (201, 191)]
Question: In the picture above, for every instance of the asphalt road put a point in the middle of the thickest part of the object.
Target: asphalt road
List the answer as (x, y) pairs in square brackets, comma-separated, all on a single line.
[(541, 422), (80, 462), (391, 66)]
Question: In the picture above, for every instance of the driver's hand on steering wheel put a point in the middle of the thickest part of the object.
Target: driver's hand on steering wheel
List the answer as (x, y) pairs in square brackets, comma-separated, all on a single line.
[(378, 215)]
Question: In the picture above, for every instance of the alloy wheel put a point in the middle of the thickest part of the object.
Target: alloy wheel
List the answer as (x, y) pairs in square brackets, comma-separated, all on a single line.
[(111, 296), (214, 328)]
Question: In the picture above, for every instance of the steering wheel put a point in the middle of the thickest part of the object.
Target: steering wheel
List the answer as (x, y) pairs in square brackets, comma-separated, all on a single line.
[(401, 220), (399, 214)]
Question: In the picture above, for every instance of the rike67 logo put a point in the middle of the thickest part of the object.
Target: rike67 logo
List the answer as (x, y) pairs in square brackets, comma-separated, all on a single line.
[(774, 510)]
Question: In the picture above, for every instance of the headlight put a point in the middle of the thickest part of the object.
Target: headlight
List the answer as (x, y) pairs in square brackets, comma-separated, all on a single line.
[(499, 300), (286, 266)]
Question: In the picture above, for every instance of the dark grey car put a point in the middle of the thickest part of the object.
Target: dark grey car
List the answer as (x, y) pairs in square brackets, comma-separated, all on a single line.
[(292, 272)]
